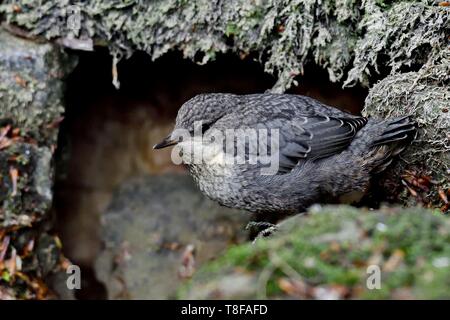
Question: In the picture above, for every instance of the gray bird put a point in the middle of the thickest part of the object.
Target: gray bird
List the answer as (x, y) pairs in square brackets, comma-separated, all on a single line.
[(324, 155)]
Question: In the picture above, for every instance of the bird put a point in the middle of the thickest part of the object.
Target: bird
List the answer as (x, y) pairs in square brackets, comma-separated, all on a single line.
[(323, 154)]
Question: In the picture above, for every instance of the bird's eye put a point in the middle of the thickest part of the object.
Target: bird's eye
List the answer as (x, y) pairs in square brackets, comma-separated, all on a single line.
[(205, 127), (213, 139), (180, 139)]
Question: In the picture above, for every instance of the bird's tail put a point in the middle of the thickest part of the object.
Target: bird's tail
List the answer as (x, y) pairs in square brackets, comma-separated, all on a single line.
[(394, 135)]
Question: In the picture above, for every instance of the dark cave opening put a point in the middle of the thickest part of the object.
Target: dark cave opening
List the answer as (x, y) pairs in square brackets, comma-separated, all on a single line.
[(107, 134)]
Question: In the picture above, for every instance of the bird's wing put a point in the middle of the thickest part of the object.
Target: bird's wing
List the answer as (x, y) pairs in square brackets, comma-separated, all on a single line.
[(298, 138), (308, 129), (313, 137)]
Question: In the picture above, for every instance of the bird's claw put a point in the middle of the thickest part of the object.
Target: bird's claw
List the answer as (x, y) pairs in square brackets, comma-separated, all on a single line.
[(258, 224), (268, 229)]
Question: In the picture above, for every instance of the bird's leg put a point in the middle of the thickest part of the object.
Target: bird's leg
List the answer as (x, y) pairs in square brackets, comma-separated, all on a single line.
[(258, 224), (267, 232), (264, 224)]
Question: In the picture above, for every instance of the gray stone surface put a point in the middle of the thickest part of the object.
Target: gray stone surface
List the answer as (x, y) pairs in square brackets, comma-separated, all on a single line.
[(157, 231), (31, 94)]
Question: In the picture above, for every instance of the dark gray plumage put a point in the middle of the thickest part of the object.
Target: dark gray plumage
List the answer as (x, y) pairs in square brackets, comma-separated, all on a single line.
[(325, 154)]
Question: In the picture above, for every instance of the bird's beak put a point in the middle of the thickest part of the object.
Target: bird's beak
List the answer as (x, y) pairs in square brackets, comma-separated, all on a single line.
[(166, 142)]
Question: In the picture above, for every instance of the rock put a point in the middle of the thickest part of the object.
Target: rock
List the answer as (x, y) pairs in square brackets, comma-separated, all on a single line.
[(157, 231), (331, 253), (424, 95), (107, 141), (25, 198), (31, 86), (31, 95)]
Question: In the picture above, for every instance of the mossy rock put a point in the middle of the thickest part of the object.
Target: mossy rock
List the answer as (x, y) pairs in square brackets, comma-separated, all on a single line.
[(351, 40), (328, 254), (31, 106), (31, 86)]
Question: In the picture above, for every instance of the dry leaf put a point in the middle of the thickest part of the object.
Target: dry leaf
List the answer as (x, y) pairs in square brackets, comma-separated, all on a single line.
[(394, 261), (20, 81), (443, 196), (14, 173), (293, 287), (11, 263), (4, 247), (4, 131), (187, 267)]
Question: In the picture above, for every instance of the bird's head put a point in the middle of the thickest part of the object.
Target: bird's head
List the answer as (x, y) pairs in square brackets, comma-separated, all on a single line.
[(197, 115)]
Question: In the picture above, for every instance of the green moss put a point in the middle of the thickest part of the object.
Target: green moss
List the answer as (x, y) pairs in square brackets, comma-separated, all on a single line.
[(334, 247)]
